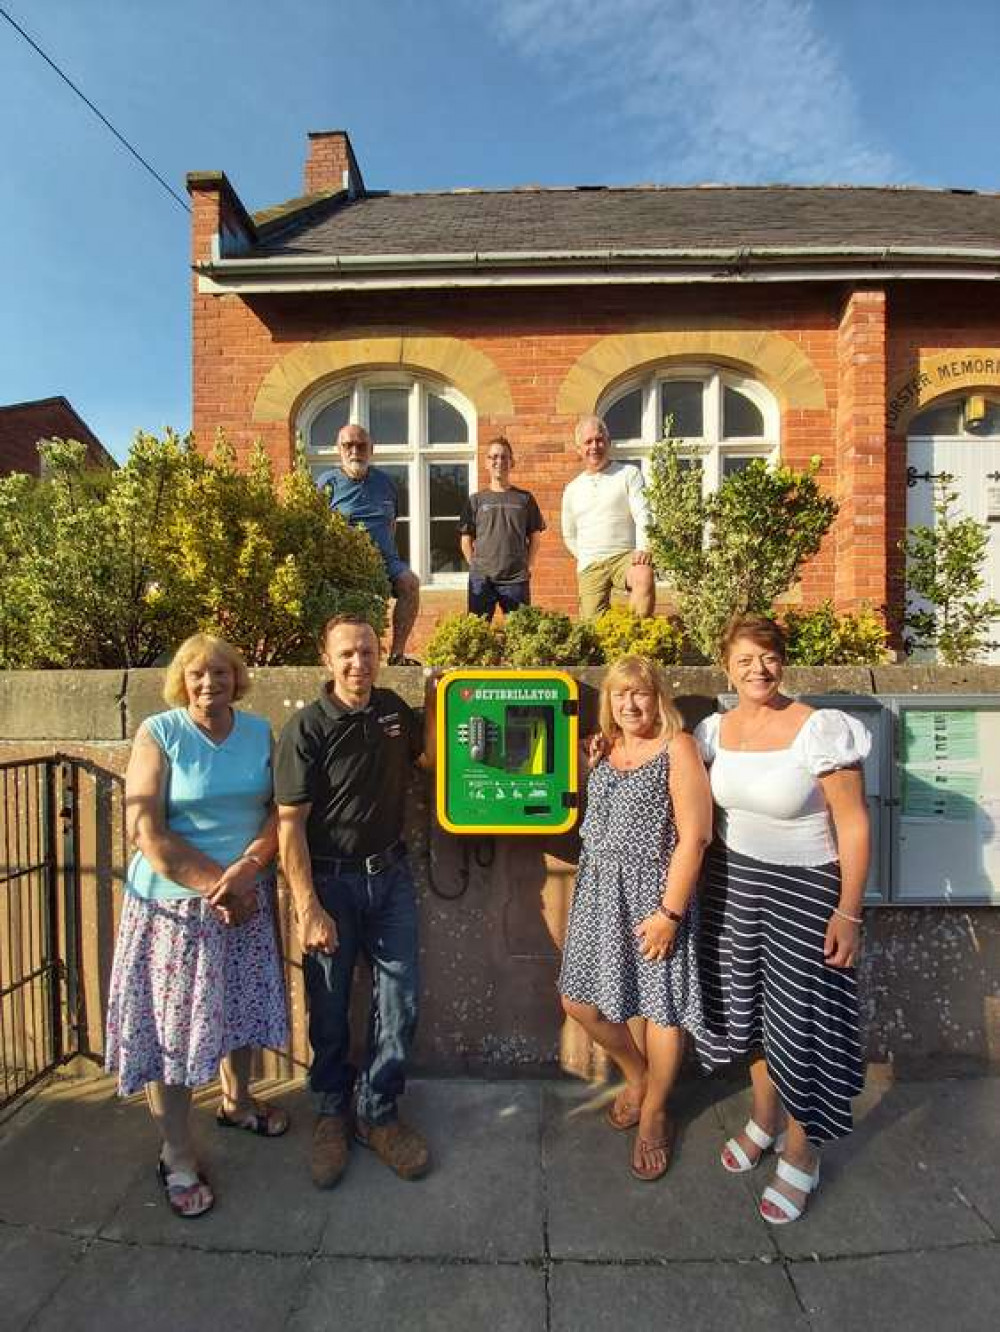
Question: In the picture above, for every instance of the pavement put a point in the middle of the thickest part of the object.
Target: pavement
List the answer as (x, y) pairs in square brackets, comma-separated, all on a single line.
[(530, 1221)]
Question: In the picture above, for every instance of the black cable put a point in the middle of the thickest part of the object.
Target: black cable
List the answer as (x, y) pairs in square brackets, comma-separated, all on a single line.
[(99, 114)]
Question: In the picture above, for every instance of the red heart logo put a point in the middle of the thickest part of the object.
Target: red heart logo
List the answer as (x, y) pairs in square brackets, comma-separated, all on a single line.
[(466, 694)]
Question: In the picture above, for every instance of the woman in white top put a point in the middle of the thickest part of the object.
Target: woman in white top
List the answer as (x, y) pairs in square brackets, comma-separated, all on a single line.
[(781, 914)]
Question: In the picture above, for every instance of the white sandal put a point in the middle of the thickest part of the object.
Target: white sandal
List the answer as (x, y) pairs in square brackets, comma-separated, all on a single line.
[(798, 1179), (759, 1139)]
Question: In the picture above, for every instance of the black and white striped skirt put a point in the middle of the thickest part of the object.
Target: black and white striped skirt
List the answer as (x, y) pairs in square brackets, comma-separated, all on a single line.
[(765, 985)]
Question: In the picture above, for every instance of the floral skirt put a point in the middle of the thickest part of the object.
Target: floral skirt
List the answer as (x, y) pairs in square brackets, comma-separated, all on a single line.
[(186, 989)]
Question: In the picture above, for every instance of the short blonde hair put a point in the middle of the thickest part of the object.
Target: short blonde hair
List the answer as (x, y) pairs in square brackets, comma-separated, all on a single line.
[(198, 648), (584, 422), (635, 669)]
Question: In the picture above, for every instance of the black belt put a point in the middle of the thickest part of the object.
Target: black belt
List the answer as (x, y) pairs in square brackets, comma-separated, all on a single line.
[(376, 864)]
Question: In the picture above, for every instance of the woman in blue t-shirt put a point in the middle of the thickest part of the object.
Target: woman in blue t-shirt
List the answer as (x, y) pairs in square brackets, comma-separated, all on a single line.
[(197, 980)]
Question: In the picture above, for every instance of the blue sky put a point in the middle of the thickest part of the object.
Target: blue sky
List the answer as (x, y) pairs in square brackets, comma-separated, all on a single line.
[(435, 94)]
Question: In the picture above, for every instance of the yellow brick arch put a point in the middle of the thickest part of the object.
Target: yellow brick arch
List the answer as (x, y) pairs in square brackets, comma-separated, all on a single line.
[(300, 372), (778, 362)]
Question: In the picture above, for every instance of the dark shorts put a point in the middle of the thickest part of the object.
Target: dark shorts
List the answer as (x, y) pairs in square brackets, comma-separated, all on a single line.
[(485, 595)]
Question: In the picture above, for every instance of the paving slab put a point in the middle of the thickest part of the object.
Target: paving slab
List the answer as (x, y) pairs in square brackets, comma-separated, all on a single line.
[(956, 1124), (483, 1197), (265, 1200), (32, 1266), (689, 1297), (911, 1292), (71, 1161), (597, 1210), (170, 1290), (879, 1192), (367, 1296)]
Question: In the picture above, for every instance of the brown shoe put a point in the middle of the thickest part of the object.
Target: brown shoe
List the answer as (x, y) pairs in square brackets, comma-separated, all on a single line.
[(401, 1147), (330, 1146)]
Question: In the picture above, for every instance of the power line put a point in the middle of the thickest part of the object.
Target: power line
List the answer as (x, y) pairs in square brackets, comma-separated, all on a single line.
[(99, 114)]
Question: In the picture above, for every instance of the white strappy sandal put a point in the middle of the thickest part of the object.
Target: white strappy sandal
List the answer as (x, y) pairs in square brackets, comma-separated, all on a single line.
[(798, 1179), (759, 1139)]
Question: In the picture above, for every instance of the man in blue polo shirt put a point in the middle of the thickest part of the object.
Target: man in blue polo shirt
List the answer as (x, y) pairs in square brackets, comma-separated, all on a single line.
[(367, 498)]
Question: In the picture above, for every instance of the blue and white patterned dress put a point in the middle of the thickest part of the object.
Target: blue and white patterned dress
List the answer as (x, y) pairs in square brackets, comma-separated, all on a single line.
[(628, 838)]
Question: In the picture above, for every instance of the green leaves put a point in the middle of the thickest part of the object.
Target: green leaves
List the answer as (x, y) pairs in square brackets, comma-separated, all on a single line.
[(944, 581), (112, 568), (738, 549)]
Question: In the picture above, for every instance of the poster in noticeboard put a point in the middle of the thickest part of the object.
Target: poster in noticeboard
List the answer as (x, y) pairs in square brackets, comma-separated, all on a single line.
[(948, 812)]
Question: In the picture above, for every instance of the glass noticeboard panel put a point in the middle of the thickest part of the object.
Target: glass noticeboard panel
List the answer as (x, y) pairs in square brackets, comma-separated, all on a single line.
[(947, 807)]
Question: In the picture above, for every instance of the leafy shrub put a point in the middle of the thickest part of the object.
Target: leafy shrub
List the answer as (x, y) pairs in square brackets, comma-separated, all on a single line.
[(112, 567), (738, 549), (535, 637), (945, 608), (620, 631), (822, 637), (463, 640)]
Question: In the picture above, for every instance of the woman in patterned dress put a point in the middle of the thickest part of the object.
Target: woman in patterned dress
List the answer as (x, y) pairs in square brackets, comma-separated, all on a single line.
[(631, 946), (781, 913), (196, 982)]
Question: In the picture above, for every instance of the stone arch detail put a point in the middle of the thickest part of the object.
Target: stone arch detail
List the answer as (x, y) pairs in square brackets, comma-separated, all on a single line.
[(968, 369), (778, 362), (301, 371)]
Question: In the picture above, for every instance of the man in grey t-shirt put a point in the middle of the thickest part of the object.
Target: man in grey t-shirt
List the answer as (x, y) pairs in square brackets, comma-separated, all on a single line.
[(501, 528)]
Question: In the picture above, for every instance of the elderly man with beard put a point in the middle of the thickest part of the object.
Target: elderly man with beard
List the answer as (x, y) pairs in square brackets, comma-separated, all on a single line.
[(367, 498)]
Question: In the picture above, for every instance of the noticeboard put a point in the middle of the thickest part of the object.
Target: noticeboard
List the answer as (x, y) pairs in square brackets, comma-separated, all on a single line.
[(507, 751), (946, 801)]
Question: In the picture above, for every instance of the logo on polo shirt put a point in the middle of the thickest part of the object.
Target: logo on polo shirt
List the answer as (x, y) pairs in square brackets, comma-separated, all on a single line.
[(391, 724)]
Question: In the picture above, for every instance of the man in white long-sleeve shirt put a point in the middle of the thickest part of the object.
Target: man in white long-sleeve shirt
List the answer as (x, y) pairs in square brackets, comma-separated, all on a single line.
[(604, 520)]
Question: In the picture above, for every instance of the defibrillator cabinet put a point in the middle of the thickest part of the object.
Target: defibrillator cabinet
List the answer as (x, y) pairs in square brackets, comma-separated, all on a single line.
[(507, 751)]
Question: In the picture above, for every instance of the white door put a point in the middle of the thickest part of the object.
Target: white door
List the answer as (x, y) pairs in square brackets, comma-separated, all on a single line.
[(975, 465)]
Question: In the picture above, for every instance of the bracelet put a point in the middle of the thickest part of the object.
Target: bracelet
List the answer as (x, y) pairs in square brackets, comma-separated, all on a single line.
[(670, 914), (855, 920)]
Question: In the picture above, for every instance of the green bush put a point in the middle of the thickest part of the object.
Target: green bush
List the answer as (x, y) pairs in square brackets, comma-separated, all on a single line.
[(620, 632), (113, 567), (534, 637), (463, 640), (821, 637)]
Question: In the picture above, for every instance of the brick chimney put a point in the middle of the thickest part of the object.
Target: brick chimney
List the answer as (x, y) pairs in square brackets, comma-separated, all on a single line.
[(331, 164)]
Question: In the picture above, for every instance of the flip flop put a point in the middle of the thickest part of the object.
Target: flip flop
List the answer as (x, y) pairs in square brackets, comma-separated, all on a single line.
[(640, 1148), (267, 1121), (622, 1114), (180, 1185)]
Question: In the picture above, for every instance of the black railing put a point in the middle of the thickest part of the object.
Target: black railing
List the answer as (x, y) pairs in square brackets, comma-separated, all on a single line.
[(41, 996)]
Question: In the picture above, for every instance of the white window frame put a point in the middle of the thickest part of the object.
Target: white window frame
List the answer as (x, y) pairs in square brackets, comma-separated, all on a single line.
[(710, 448), (416, 455)]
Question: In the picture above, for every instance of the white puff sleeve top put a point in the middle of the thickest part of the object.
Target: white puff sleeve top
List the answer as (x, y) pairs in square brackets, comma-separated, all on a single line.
[(769, 803)]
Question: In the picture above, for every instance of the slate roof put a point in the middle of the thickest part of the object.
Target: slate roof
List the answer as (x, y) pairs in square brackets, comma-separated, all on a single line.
[(567, 221)]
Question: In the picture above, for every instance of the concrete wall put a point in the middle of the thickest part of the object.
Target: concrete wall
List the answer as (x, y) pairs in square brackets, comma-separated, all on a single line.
[(491, 939)]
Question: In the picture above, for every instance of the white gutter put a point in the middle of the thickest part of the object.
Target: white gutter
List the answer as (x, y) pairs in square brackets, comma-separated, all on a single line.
[(299, 273)]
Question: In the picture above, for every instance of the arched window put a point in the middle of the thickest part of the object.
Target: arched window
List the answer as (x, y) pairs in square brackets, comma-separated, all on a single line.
[(961, 415), (725, 419), (424, 437)]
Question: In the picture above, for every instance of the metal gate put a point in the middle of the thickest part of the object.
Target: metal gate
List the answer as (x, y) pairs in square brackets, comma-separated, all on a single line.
[(39, 919)]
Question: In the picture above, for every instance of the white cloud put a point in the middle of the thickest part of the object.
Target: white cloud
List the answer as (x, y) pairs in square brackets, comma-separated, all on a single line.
[(724, 90)]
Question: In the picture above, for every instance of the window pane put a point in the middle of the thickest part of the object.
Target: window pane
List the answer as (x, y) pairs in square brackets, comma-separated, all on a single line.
[(943, 420), (683, 400), (323, 431), (403, 539), (624, 417), (741, 418), (732, 464), (445, 423), (388, 415), (400, 475), (449, 489), (986, 425)]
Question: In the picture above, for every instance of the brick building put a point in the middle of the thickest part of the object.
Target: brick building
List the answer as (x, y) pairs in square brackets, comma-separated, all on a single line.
[(24, 424), (859, 324)]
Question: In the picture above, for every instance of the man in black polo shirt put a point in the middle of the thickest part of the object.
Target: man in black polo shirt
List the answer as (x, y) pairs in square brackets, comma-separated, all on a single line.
[(341, 770)]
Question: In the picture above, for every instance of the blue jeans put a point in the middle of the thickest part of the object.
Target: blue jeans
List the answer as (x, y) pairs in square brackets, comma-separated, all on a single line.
[(376, 914), (485, 595)]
